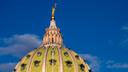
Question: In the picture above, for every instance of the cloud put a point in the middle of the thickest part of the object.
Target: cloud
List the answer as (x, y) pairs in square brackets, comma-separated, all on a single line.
[(124, 39), (113, 64), (124, 28), (94, 62), (18, 45), (7, 67)]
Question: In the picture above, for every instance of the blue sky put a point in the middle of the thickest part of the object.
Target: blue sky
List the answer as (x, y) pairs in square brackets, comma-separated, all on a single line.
[(96, 29)]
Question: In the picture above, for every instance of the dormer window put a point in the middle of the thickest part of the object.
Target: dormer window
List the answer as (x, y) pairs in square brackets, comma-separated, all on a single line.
[(66, 54), (76, 56), (39, 53), (82, 67), (52, 62), (36, 63), (68, 63), (14, 70), (84, 60), (90, 70), (23, 66), (28, 56)]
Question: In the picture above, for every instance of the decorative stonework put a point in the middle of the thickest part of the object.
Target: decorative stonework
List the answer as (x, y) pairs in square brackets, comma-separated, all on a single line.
[(52, 36)]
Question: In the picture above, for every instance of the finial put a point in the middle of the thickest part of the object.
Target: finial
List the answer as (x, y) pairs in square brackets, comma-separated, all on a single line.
[(52, 23), (53, 11)]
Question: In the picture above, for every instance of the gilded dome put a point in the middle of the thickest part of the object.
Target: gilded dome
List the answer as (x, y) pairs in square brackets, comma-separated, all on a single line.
[(51, 55), (52, 59)]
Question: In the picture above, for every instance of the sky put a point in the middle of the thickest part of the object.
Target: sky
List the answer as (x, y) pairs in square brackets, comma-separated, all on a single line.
[(95, 29)]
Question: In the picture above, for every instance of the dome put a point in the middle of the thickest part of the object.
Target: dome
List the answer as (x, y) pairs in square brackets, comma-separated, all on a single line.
[(51, 55), (52, 59)]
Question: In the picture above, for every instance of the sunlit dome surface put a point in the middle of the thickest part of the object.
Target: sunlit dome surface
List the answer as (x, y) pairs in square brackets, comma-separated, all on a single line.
[(51, 55)]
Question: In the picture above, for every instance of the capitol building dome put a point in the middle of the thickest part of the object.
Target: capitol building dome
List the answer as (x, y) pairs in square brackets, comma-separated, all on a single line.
[(51, 55)]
